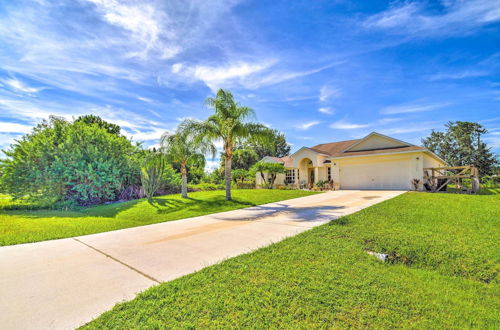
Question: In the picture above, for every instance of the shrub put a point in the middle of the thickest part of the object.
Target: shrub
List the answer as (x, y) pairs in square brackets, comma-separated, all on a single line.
[(70, 163), (206, 187)]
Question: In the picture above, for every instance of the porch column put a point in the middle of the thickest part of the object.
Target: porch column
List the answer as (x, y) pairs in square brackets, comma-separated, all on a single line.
[(316, 174)]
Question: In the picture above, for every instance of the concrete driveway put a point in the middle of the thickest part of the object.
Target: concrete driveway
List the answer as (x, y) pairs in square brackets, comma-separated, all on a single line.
[(65, 283)]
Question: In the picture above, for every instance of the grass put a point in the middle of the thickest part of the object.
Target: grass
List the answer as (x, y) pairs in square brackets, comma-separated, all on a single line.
[(21, 226), (442, 274)]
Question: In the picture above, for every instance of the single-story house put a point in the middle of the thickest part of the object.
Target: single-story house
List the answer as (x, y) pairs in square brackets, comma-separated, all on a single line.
[(374, 162)]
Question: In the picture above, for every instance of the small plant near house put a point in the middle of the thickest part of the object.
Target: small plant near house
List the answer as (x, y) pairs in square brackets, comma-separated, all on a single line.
[(415, 183), (322, 184), (271, 169), (151, 173)]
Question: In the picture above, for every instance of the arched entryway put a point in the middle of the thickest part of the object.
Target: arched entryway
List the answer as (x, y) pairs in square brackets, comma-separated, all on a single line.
[(307, 173)]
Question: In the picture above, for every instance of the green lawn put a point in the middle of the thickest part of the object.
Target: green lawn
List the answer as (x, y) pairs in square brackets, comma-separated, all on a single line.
[(23, 226), (443, 274)]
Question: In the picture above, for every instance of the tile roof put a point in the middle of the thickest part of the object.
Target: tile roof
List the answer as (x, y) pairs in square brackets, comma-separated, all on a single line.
[(287, 161), (336, 149)]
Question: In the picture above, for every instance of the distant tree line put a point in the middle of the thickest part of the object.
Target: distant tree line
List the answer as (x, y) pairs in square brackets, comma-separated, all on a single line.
[(89, 161), (461, 144)]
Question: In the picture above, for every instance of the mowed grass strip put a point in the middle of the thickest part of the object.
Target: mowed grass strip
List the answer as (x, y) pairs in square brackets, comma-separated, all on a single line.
[(324, 278), (32, 226)]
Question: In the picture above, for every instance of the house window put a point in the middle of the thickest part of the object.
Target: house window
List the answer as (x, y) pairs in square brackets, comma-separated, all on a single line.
[(329, 174), (290, 176)]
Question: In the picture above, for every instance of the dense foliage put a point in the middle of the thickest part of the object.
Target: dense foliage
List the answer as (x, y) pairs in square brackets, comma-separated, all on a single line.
[(461, 144), (278, 147), (70, 162), (271, 169)]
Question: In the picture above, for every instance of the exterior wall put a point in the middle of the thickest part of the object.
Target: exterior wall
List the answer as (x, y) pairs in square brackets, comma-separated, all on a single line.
[(380, 172), (317, 159), (280, 180), (377, 142), (322, 173), (430, 161)]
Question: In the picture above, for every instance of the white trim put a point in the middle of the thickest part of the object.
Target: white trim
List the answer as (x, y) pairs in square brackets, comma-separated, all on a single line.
[(381, 135), (389, 153)]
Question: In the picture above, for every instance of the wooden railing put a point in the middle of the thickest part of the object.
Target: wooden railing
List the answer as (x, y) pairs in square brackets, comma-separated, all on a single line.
[(440, 177)]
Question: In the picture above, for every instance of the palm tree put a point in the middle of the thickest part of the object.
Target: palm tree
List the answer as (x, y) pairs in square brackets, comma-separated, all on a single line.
[(229, 124), (181, 147)]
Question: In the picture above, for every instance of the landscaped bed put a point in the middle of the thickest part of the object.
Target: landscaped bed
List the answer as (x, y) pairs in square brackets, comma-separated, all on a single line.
[(32, 226), (442, 273)]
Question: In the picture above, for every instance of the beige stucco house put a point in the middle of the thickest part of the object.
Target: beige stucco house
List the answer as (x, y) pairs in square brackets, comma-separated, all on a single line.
[(373, 162)]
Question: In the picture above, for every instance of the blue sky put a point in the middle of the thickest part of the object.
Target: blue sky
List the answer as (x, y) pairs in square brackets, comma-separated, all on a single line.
[(319, 71)]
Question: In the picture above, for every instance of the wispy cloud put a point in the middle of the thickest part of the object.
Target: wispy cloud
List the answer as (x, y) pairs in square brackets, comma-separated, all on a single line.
[(245, 74), (221, 76), (308, 125), (456, 17), (147, 26), (458, 75), (8, 127), (415, 107), (328, 92), (342, 124), (18, 85), (145, 99), (326, 110)]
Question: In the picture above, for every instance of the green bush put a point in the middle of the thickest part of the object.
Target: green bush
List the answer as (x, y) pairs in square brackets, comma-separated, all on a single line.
[(206, 187), (66, 163)]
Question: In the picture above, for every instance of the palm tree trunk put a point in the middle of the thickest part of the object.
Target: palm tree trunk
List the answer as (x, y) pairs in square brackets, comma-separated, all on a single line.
[(228, 159), (184, 192)]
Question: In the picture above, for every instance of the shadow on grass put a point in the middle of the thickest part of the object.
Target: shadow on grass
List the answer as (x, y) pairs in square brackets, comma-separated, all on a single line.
[(104, 211), (202, 206)]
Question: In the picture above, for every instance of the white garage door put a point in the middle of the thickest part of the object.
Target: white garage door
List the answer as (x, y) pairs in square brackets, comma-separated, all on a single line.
[(377, 175)]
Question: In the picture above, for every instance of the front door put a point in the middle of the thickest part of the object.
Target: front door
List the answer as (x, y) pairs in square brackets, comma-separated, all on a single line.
[(311, 177)]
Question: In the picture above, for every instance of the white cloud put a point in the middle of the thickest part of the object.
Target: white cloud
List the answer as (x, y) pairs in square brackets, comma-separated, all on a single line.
[(328, 92), (493, 141), (145, 99), (216, 77), (457, 17), (146, 24), (342, 124), (308, 125), (8, 127), (246, 74), (326, 110), (211, 165), (409, 108), (458, 75), (18, 85), (177, 67)]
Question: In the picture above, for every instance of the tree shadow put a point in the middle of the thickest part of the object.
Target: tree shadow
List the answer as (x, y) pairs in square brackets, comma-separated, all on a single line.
[(213, 205), (294, 213)]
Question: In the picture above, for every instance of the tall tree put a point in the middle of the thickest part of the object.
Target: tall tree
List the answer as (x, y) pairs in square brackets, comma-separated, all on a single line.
[(96, 120), (278, 147), (461, 145), (229, 124), (242, 159), (182, 148)]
